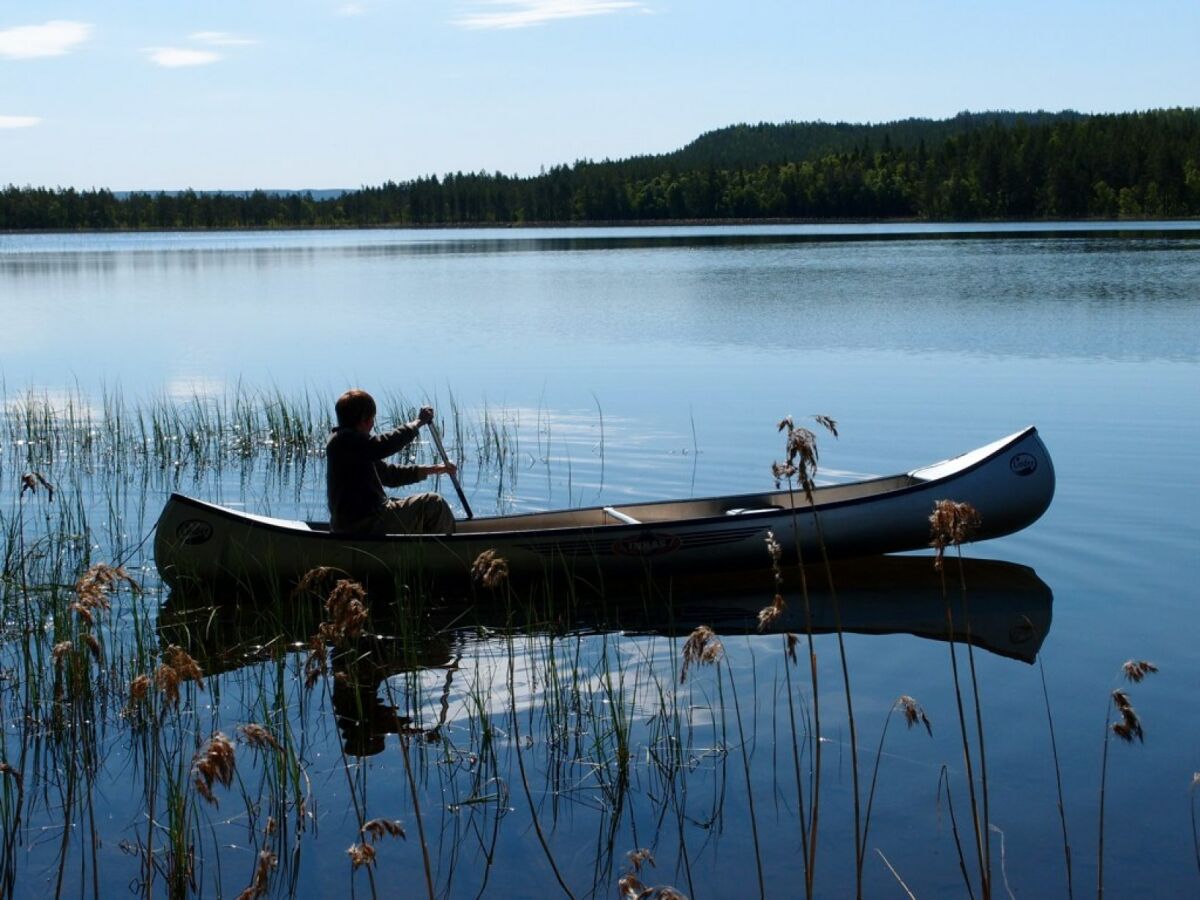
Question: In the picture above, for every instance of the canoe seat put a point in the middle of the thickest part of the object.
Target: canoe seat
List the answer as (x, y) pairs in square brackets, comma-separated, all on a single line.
[(622, 517)]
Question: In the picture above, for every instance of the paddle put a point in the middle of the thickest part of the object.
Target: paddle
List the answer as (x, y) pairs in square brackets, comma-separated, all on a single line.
[(437, 441)]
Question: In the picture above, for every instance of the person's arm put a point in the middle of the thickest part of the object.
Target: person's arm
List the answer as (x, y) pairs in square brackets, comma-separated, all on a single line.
[(381, 446), (392, 475)]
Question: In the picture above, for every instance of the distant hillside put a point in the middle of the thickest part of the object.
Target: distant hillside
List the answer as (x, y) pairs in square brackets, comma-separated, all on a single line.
[(992, 165), (742, 146)]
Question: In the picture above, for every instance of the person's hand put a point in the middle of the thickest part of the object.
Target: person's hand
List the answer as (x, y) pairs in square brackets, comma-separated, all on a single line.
[(442, 469), (425, 416)]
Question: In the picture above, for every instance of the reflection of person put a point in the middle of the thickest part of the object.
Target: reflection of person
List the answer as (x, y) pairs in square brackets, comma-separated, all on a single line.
[(356, 475)]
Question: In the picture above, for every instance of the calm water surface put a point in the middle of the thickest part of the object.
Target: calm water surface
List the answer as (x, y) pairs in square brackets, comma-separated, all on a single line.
[(646, 363)]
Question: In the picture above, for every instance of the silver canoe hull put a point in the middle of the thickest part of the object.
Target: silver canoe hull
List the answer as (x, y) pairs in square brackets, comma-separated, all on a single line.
[(1010, 481)]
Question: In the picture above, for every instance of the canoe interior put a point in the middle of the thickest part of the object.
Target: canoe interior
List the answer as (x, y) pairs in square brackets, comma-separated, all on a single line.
[(671, 510)]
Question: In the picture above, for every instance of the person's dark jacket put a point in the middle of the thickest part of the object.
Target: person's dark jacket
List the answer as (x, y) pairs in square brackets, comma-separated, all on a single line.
[(356, 473)]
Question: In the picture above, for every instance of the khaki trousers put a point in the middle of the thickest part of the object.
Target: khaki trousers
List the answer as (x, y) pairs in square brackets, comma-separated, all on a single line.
[(425, 513)]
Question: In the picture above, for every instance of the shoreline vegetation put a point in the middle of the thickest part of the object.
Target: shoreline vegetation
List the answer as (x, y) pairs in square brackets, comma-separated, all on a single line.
[(992, 166)]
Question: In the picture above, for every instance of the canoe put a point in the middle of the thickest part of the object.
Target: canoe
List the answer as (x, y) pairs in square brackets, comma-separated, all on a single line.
[(1009, 481)]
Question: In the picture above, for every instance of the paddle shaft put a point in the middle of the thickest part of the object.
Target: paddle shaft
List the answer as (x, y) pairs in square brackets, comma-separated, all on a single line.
[(437, 441)]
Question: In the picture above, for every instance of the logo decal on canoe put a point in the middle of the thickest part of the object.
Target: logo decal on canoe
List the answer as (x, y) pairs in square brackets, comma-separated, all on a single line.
[(648, 543), (1023, 464), (193, 531)]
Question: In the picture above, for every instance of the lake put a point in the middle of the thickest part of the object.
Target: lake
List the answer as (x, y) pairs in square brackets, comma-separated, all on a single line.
[(527, 744)]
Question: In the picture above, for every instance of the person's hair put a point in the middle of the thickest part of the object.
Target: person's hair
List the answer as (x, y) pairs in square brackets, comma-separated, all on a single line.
[(353, 407)]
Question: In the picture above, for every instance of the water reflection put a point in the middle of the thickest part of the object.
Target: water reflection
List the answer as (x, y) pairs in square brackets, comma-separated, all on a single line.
[(1006, 610)]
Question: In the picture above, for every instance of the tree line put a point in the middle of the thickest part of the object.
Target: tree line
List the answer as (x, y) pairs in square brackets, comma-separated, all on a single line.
[(974, 166)]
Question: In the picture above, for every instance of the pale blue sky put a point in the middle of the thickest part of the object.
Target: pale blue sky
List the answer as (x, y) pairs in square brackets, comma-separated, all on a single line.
[(334, 93)]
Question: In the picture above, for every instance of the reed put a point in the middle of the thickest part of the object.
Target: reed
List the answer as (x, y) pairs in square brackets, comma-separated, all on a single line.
[(951, 525), (1192, 808), (913, 714), (1062, 807), (800, 465), (1127, 728)]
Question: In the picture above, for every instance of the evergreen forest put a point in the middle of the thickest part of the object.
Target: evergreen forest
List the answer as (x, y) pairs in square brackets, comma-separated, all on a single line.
[(995, 166)]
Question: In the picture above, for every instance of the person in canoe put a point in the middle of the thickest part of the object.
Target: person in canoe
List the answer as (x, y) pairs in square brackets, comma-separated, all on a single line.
[(357, 474)]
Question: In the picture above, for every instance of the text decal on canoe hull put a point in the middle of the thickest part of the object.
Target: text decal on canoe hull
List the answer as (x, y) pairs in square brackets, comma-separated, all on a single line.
[(1023, 464), (193, 531), (648, 543)]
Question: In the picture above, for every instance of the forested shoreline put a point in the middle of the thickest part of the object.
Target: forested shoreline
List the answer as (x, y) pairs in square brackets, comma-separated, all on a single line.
[(995, 166)]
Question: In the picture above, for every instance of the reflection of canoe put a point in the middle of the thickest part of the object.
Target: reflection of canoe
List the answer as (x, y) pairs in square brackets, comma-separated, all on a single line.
[(1008, 605), (1009, 614), (1009, 611), (1010, 482)]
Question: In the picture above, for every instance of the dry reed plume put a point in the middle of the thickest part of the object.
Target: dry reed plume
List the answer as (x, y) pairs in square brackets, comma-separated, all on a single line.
[(345, 615), (30, 481), (630, 887), (262, 874), (93, 587), (800, 461), (1130, 726), (951, 524), (702, 647), (214, 763), (801, 457), (914, 713), (490, 570), (1137, 669), (316, 580), (792, 642), (345, 612), (9, 772), (638, 858), (380, 828), (259, 737), (316, 664), (364, 853), (176, 668), (361, 855), (768, 614)]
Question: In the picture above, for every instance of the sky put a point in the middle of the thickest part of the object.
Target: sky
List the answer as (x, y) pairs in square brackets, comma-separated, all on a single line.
[(278, 94)]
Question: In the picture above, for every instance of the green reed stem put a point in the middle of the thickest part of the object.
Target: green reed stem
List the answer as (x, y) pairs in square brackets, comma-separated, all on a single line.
[(1062, 810)]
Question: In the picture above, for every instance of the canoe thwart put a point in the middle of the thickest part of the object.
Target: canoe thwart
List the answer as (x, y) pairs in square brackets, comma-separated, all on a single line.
[(622, 517)]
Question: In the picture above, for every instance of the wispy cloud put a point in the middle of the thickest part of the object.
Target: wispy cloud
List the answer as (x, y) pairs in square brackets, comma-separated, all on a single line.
[(52, 39), (179, 57), (222, 39), (19, 121), (524, 13), (351, 9)]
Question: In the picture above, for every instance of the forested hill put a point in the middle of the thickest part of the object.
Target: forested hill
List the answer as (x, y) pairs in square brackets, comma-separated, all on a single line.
[(1005, 165), (739, 146)]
